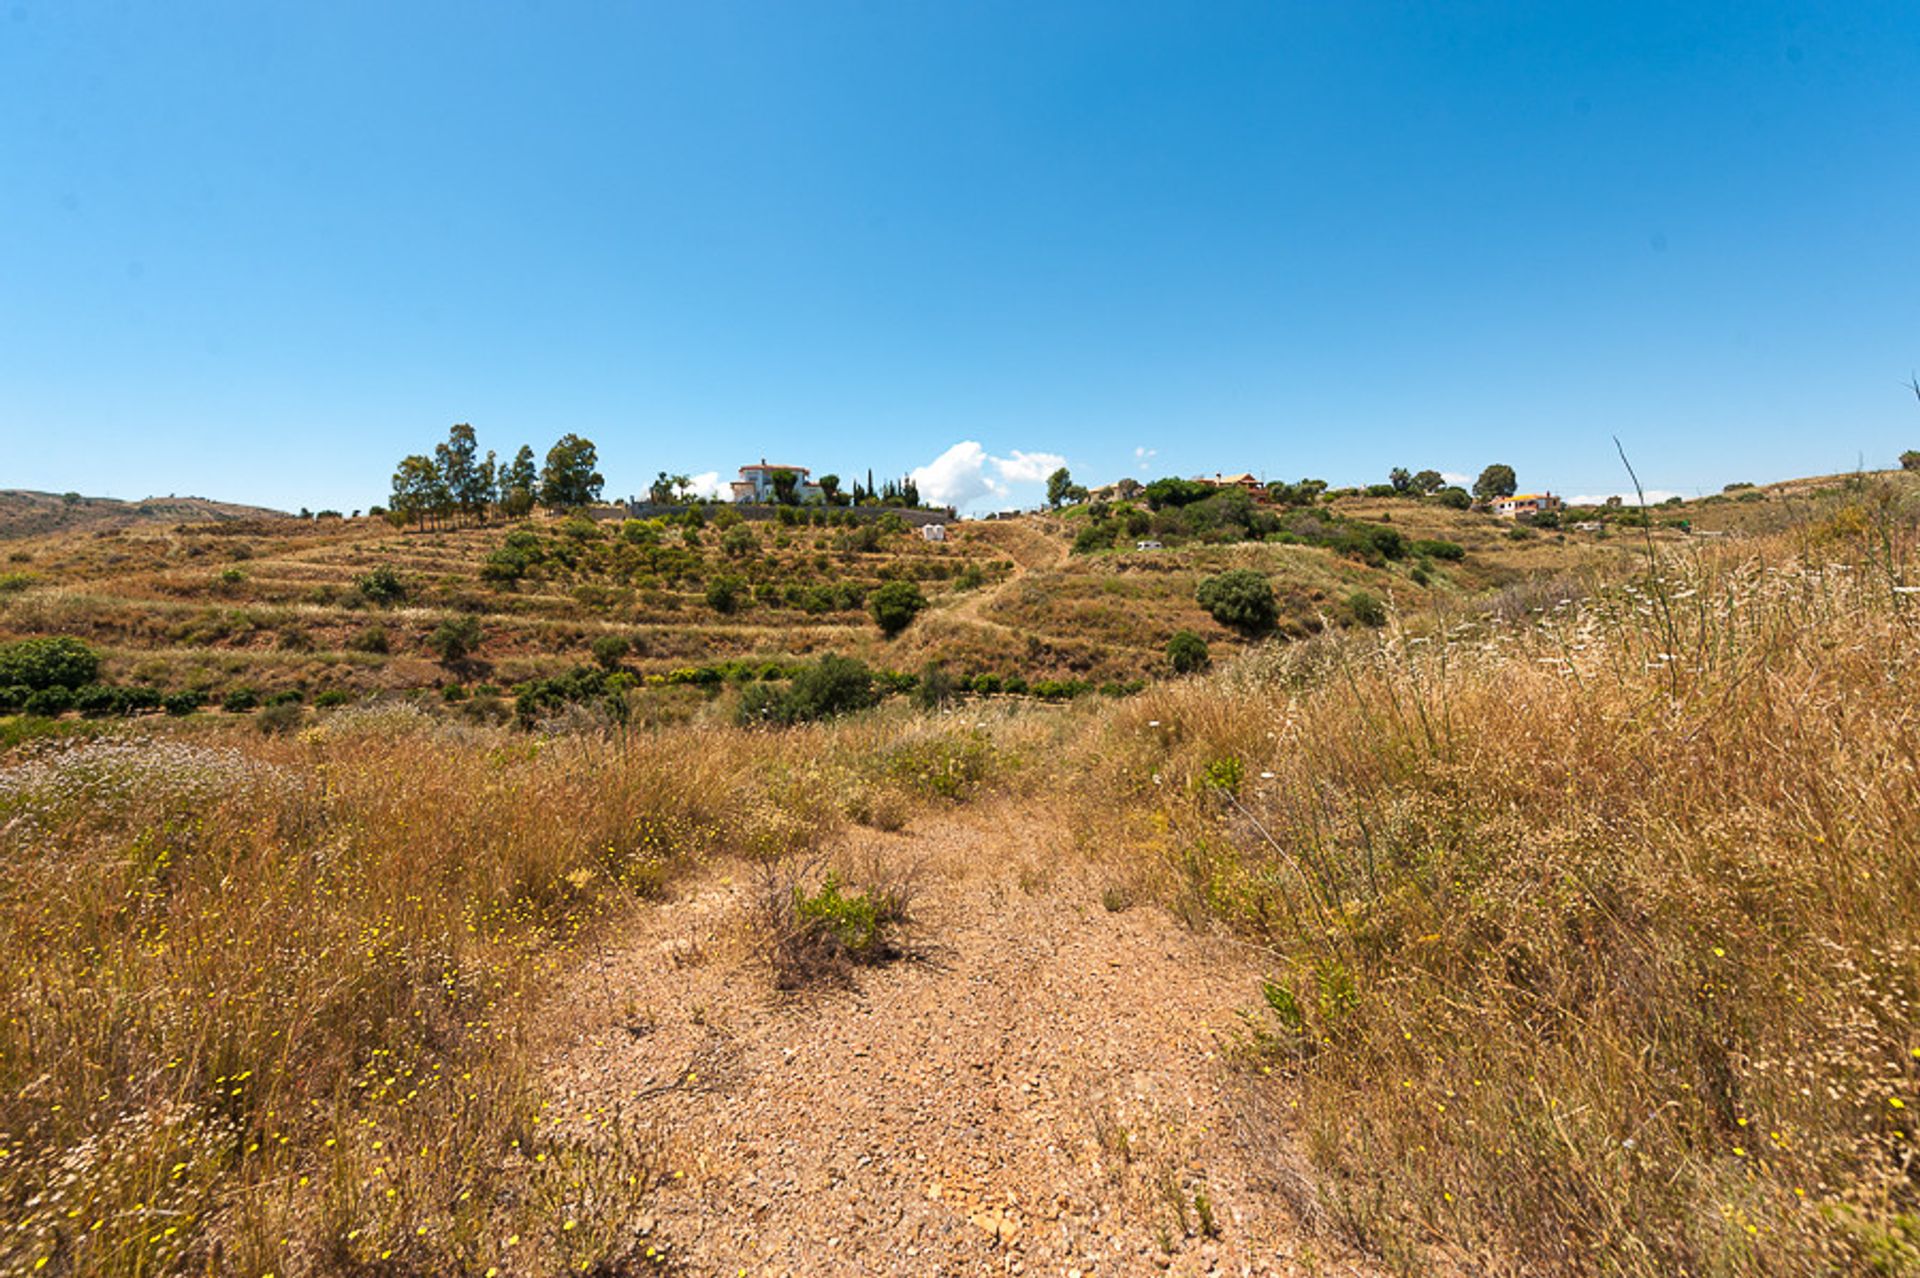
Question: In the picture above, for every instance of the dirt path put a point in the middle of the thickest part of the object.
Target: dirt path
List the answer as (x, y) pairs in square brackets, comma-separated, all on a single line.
[(1027, 551), (1041, 1091)]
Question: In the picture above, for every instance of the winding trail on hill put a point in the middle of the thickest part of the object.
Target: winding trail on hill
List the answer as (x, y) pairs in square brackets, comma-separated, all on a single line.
[(1026, 550), (1041, 1089)]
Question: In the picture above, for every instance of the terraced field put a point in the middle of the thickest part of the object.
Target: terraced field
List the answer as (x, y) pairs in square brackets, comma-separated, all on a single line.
[(353, 606)]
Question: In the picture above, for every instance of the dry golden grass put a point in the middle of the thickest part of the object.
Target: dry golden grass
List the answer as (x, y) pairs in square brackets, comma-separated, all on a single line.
[(1591, 928), (272, 1004), (1594, 937)]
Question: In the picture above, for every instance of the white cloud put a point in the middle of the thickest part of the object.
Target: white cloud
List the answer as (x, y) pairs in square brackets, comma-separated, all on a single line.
[(709, 484), (1458, 481), (966, 473), (1144, 455), (1654, 497), (1027, 468)]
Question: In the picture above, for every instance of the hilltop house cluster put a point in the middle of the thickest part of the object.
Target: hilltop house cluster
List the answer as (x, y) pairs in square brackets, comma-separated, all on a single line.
[(764, 488)]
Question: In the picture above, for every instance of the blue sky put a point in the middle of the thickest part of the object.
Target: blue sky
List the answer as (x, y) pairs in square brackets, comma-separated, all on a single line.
[(260, 251)]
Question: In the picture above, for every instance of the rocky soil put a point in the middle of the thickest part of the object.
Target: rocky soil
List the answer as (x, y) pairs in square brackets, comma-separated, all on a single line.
[(1045, 1085)]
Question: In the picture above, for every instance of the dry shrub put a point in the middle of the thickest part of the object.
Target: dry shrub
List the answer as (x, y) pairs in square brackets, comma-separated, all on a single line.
[(818, 924), (1595, 939)]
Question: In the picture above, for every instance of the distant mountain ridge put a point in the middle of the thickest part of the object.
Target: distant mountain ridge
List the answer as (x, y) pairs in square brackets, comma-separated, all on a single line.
[(24, 513)]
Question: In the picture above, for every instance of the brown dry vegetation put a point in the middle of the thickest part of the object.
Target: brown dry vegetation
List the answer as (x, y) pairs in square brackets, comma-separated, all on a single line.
[(25, 513), (268, 1002), (1592, 937), (1589, 925)]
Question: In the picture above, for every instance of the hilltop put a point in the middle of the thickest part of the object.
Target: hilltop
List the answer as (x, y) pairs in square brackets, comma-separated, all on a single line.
[(28, 514)]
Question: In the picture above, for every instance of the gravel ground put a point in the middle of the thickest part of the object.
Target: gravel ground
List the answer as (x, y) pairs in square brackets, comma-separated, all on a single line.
[(1038, 1089)]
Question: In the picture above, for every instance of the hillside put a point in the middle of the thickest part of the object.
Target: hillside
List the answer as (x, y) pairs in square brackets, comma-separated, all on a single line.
[(31, 514), (351, 607)]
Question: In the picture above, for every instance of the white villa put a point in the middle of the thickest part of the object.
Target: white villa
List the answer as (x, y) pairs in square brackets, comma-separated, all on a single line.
[(755, 484), (1524, 504)]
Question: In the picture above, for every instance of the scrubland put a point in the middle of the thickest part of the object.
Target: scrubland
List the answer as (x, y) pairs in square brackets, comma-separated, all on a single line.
[(1589, 914), (269, 999), (352, 607), (1595, 936)]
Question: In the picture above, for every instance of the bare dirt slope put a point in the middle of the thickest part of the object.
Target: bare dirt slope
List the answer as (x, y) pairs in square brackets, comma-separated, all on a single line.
[(1041, 1090)]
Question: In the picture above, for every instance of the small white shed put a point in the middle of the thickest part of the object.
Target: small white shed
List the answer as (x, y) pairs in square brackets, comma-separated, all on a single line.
[(934, 532)]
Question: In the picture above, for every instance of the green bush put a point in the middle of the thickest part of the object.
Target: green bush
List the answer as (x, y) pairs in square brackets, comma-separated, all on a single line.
[(181, 704), (1450, 550), (1390, 543), (140, 700), (895, 605), (330, 698), (240, 701), (1060, 689), (935, 689), (610, 650), (455, 637), (1366, 609), (1454, 498), (582, 686), (370, 639), (724, 593), (822, 934), (13, 698), (61, 662), (382, 585), (828, 688), (1241, 599), (1162, 494), (1187, 652), (506, 564), (52, 701), (97, 701), (853, 922), (1095, 536)]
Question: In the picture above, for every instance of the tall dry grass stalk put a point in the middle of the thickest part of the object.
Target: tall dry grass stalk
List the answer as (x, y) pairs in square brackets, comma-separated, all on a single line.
[(1595, 938)]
